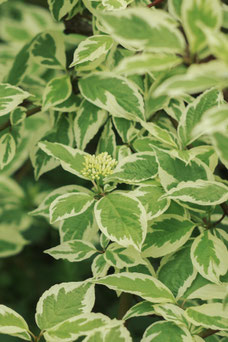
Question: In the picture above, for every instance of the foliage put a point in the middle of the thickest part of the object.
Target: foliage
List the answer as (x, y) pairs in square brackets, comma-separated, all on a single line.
[(130, 98)]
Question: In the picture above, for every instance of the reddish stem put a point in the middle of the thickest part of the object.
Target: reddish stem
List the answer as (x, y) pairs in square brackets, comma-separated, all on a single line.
[(154, 3)]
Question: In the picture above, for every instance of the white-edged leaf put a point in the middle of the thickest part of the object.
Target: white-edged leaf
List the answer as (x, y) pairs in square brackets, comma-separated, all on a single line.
[(99, 266), (197, 14), (145, 62), (88, 121), (116, 94), (139, 284), (69, 205), (72, 160), (120, 257), (209, 256), (112, 334), (141, 28), (74, 250), (173, 171), (209, 291), (150, 196), (107, 140), (198, 78), (125, 128), (211, 316), (162, 331), (177, 272), (194, 112), (68, 299), (143, 308), (11, 241), (77, 326), (7, 149), (171, 313), (166, 235), (48, 50), (43, 208), (11, 97), (197, 192), (57, 91), (11, 323), (93, 50), (135, 168), (112, 5), (59, 9), (17, 115), (160, 134), (122, 219)]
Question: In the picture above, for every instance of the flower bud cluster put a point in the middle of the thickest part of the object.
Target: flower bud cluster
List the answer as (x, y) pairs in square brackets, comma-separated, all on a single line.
[(98, 166)]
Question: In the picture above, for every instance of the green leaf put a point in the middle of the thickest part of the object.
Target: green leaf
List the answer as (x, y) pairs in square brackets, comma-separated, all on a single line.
[(211, 316), (116, 94), (71, 104), (112, 5), (17, 116), (68, 299), (48, 50), (220, 142), (88, 121), (150, 197), (193, 114), (145, 62), (198, 78), (69, 205), (218, 43), (197, 192), (174, 7), (11, 97), (173, 171), (74, 250), (77, 326), (135, 168), (122, 219), (72, 160), (92, 50), (138, 284), (107, 140), (143, 308), (162, 331), (197, 14), (141, 28), (11, 241), (20, 65), (11, 323), (166, 235), (209, 256), (177, 272), (208, 292), (7, 149), (57, 91), (59, 8), (120, 257)]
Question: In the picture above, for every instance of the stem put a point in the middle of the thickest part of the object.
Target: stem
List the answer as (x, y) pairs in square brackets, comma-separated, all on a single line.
[(208, 333), (29, 113), (154, 3), (124, 304), (224, 207), (220, 220)]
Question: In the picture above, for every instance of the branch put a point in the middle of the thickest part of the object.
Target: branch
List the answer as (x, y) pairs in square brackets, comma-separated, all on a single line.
[(29, 113), (208, 333), (154, 3), (224, 207)]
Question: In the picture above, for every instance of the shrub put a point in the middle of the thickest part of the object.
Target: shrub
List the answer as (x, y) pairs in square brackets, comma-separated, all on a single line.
[(130, 98)]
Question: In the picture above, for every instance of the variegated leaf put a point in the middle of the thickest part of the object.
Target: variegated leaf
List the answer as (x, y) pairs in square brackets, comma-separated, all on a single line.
[(143, 308), (7, 149), (69, 205), (197, 192), (11, 323), (68, 299), (211, 316), (209, 256), (74, 250), (122, 219), (116, 94), (11, 97), (139, 284)]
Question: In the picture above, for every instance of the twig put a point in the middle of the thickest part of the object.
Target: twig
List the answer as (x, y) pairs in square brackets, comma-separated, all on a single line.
[(220, 220), (29, 113), (208, 333), (224, 207), (154, 3)]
